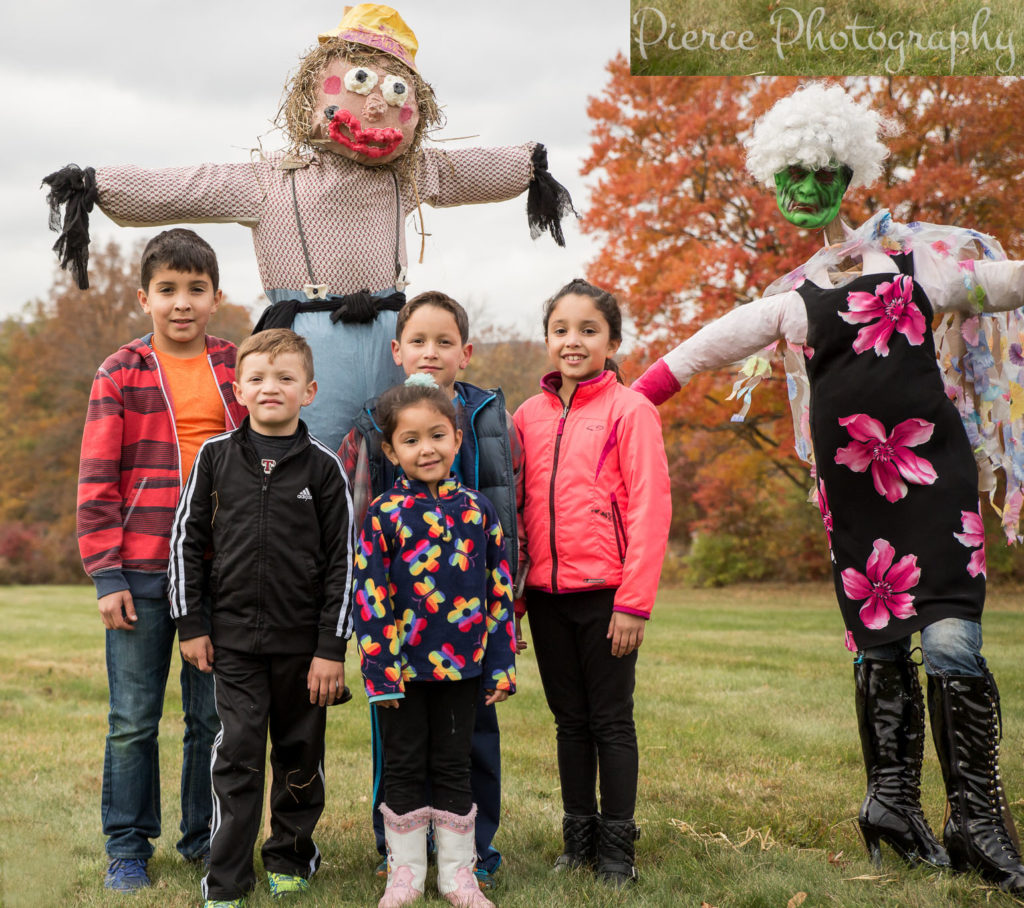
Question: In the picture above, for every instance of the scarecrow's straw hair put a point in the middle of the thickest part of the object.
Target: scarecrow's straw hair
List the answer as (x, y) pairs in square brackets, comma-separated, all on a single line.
[(297, 110)]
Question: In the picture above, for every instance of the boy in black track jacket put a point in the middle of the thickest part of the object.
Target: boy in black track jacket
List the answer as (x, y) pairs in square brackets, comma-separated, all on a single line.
[(273, 505)]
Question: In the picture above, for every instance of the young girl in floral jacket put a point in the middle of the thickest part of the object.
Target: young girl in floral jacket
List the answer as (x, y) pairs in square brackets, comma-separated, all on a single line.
[(433, 603)]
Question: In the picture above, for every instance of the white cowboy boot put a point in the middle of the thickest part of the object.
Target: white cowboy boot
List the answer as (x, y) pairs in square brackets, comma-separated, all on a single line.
[(406, 838), (456, 859)]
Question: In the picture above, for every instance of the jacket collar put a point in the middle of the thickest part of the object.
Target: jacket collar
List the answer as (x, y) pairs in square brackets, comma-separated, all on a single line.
[(244, 435), (445, 489), (585, 390), (143, 346)]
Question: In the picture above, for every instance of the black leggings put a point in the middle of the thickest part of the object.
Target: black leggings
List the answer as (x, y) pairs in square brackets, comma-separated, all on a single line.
[(429, 736), (590, 693)]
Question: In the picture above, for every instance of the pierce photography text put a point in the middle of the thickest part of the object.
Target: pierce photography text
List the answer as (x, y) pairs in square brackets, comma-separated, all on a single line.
[(814, 32)]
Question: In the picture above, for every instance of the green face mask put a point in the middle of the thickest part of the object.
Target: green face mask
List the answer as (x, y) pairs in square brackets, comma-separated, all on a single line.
[(810, 198)]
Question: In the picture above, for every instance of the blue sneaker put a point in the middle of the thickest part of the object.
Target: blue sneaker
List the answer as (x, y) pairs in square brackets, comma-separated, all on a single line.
[(485, 879), (284, 884), (126, 875)]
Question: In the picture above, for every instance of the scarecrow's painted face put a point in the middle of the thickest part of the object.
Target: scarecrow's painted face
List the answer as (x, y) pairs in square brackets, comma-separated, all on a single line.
[(364, 112), (810, 198)]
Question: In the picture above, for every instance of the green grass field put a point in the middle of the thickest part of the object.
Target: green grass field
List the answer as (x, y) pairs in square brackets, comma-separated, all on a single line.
[(826, 37), (750, 767)]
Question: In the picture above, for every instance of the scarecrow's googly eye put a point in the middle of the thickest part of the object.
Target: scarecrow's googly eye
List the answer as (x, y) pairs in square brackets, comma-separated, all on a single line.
[(395, 91), (360, 80)]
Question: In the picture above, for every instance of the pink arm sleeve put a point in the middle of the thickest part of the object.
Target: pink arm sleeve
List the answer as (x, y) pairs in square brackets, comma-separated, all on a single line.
[(207, 193), (467, 176)]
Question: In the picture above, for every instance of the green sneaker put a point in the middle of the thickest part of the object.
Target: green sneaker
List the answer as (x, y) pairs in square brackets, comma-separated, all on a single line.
[(224, 903), (284, 884)]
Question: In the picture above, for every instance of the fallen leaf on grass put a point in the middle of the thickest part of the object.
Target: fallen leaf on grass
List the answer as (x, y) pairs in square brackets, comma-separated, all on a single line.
[(836, 859), (706, 905), (797, 900)]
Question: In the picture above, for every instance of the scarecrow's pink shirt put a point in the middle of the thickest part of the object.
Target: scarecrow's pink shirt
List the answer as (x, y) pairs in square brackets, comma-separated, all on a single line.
[(353, 227)]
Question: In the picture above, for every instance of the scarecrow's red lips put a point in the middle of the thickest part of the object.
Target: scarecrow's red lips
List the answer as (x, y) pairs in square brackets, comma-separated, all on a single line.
[(345, 129)]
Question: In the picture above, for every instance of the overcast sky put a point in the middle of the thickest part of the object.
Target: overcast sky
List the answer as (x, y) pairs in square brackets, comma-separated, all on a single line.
[(162, 84)]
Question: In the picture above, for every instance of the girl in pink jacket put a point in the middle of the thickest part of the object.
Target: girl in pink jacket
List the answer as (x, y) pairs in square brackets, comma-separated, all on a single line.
[(594, 515)]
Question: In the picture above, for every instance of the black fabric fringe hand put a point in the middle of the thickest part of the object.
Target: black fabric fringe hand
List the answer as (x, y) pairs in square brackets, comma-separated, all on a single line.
[(547, 201), (75, 188)]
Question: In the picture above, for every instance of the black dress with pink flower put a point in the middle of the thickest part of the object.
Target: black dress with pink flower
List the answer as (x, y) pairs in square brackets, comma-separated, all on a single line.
[(897, 481)]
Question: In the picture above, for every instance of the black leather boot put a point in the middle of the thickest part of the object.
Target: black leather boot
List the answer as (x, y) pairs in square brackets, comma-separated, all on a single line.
[(580, 837), (890, 714), (616, 851), (979, 833)]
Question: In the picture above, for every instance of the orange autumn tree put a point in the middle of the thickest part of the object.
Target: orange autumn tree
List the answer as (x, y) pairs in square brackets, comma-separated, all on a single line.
[(686, 235)]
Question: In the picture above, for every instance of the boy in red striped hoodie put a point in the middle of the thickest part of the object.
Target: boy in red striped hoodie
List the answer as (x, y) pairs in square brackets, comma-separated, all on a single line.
[(152, 405)]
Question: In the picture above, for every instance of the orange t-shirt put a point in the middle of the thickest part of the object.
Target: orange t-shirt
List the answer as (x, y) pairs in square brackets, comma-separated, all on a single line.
[(198, 407)]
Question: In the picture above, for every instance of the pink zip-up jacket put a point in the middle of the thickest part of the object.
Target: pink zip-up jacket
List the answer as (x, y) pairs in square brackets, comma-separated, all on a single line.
[(594, 497)]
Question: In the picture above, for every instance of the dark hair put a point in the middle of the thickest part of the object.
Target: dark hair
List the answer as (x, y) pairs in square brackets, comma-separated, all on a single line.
[(604, 302), (274, 342), (400, 397), (179, 249), (441, 301)]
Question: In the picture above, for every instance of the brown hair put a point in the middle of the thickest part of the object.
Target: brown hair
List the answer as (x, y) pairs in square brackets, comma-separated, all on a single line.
[(604, 302), (400, 397), (441, 301), (179, 249), (273, 342)]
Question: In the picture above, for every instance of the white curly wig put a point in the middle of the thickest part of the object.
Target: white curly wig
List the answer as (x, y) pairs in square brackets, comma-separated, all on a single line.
[(817, 126)]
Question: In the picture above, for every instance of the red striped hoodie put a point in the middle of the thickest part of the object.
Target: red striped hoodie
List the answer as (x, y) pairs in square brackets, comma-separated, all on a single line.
[(129, 476)]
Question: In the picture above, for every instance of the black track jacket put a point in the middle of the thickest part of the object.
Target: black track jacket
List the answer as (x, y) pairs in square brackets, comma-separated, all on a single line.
[(281, 575)]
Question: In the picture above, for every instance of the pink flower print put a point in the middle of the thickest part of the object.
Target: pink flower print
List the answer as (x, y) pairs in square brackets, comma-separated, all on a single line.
[(504, 679), (941, 247), (422, 557), (465, 613), (889, 456), (501, 578), (446, 663), (410, 627), (431, 597), (368, 647), (884, 586), (439, 524), (890, 308), (826, 514), (462, 558), (371, 600), (851, 644), (973, 536)]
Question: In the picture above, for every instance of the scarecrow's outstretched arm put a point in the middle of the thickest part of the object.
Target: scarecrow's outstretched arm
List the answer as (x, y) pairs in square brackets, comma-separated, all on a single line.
[(468, 176), (199, 194), (136, 197)]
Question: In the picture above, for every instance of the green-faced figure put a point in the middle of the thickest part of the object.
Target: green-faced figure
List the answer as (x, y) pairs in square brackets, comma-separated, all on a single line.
[(811, 198)]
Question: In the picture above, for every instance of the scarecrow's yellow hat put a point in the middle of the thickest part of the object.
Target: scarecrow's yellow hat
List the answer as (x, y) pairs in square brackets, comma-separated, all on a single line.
[(379, 26)]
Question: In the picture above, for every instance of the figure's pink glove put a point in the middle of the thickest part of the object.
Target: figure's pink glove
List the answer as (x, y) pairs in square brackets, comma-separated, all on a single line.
[(657, 384)]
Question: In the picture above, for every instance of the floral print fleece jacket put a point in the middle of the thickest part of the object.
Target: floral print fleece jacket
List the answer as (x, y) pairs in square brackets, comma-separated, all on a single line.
[(433, 592)]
